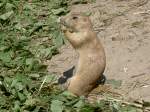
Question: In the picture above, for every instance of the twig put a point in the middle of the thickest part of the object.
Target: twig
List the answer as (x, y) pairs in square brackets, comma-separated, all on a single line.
[(42, 84), (142, 12), (137, 105)]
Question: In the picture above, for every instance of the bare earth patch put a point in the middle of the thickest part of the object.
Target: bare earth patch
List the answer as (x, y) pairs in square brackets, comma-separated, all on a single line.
[(124, 29)]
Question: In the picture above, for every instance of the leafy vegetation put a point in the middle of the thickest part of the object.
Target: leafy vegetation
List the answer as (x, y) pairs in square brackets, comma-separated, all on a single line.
[(29, 35)]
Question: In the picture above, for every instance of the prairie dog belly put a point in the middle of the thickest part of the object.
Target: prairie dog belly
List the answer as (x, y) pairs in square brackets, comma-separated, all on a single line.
[(89, 71)]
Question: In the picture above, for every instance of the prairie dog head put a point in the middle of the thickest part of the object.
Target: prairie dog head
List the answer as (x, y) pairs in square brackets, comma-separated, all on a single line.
[(75, 23)]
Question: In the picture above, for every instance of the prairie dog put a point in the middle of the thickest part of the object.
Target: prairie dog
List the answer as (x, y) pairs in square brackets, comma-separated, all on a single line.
[(92, 61)]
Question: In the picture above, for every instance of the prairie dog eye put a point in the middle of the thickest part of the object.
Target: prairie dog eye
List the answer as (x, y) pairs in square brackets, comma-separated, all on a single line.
[(74, 17)]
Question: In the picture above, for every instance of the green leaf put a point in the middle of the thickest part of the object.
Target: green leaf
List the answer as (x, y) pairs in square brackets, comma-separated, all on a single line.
[(27, 7), (87, 13), (115, 83), (34, 75), (20, 82), (2, 101), (18, 26), (58, 38), (21, 96), (8, 80), (9, 6), (68, 94), (6, 15), (56, 106), (16, 106), (29, 61), (115, 107), (14, 82), (79, 104), (50, 78), (87, 108), (1, 5), (30, 102), (5, 57), (19, 86), (45, 52), (36, 27), (58, 11)]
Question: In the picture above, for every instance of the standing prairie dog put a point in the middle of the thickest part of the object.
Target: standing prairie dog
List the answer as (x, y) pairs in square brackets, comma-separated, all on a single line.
[(92, 61)]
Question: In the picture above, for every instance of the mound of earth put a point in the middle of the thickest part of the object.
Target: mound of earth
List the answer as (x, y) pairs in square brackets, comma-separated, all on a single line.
[(123, 27)]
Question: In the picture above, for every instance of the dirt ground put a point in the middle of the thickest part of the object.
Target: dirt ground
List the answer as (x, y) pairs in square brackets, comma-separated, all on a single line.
[(124, 29)]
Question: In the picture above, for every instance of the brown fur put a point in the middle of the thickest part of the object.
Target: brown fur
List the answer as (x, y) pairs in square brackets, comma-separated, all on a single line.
[(79, 32)]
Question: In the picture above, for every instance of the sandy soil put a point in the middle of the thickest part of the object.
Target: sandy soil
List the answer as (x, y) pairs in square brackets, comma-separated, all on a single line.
[(124, 29)]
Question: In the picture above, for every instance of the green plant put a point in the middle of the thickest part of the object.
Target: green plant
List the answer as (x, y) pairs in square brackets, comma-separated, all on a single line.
[(29, 35)]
